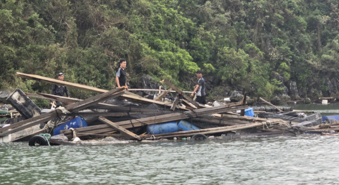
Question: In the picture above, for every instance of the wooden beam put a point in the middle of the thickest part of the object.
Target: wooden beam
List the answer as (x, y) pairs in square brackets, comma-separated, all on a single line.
[(326, 98), (156, 90), (271, 104), (94, 100), (189, 104), (163, 94), (219, 121), (121, 129), (179, 91), (127, 95), (115, 108)]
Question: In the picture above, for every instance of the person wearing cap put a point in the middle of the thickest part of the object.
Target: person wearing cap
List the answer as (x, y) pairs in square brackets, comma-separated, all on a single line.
[(120, 76), (59, 89), (200, 89)]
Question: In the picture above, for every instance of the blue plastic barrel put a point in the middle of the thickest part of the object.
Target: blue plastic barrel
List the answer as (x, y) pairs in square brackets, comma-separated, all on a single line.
[(163, 128), (336, 117), (77, 122), (249, 112), (186, 126)]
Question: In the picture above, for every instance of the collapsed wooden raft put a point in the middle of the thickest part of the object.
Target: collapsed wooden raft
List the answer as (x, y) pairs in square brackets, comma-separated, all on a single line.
[(214, 120)]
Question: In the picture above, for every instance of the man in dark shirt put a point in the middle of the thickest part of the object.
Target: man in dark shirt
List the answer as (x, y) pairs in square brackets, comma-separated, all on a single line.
[(59, 89), (120, 77), (200, 89)]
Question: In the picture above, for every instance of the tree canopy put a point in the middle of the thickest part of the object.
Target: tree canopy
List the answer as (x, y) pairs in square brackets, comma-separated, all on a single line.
[(239, 42)]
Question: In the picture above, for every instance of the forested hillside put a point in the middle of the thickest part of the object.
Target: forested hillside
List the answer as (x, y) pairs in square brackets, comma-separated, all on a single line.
[(251, 44)]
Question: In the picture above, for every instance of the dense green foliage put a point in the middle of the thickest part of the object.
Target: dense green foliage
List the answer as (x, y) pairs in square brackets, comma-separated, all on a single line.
[(240, 42)]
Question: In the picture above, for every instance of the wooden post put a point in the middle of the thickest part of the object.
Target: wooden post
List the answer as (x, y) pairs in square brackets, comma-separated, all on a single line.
[(242, 113), (179, 91), (175, 103), (121, 129), (271, 104)]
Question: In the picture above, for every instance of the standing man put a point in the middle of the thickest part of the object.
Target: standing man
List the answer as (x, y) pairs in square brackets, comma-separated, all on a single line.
[(120, 77), (59, 90), (200, 89)]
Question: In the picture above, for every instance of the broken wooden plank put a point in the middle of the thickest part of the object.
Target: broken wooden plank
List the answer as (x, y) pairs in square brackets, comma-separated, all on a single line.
[(271, 104), (165, 118), (157, 90), (127, 95), (179, 91), (121, 129), (175, 102), (189, 104), (162, 95)]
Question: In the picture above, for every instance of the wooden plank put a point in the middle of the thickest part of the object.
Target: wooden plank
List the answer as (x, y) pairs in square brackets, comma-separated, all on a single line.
[(95, 99), (271, 104), (118, 114), (326, 98), (189, 104), (121, 129), (162, 95), (127, 95), (115, 108), (179, 91), (165, 118), (219, 121), (157, 90)]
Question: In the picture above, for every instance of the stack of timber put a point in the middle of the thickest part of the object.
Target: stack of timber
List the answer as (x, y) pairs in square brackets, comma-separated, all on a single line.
[(111, 123)]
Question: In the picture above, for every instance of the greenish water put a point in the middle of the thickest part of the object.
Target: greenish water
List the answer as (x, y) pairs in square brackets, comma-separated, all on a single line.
[(308, 159), (323, 109), (281, 160)]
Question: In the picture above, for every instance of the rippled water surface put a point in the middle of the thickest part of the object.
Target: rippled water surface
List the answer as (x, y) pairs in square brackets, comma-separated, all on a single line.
[(284, 160)]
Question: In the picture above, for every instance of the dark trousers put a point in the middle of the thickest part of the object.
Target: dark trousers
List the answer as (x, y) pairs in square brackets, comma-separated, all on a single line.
[(201, 99)]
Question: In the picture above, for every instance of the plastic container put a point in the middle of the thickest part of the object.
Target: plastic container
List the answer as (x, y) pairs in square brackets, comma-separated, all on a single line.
[(186, 126), (77, 122), (249, 112), (336, 117), (163, 128)]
